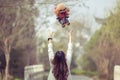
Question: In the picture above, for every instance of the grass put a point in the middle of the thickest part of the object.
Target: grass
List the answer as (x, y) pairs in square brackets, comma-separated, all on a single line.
[(17, 79), (83, 72)]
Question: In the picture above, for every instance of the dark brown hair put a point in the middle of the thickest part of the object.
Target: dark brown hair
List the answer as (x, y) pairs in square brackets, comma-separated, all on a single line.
[(60, 68)]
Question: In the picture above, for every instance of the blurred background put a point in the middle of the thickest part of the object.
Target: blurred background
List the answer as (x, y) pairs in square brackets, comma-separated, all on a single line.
[(24, 26)]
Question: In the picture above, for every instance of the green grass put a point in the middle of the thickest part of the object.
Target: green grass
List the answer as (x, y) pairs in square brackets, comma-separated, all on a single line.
[(17, 79), (83, 72)]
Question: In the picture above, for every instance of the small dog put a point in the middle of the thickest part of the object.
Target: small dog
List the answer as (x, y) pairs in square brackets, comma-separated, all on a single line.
[(62, 13)]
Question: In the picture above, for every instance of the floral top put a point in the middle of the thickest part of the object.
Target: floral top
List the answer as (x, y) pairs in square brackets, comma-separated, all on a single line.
[(51, 56)]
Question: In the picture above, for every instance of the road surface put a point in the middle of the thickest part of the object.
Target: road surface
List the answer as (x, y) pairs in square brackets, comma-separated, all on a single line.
[(75, 77)]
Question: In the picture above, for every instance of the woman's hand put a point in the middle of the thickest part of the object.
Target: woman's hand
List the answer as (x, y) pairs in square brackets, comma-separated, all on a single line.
[(50, 34)]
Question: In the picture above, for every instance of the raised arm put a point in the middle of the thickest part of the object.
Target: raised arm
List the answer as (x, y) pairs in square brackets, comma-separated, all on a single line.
[(50, 48), (69, 50)]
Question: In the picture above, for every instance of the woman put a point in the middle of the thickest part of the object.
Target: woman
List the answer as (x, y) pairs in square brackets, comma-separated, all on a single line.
[(59, 63)]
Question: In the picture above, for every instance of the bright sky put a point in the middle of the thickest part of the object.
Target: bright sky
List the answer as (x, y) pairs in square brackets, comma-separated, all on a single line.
[(100, 7)]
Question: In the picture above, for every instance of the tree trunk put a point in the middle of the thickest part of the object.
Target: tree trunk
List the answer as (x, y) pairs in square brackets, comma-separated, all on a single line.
[(7, 57), (7, 48)]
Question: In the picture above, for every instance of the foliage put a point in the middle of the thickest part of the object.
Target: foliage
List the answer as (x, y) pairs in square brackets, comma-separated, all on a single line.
[(104, 46), (17, 79), (83, 72), (17, 29)]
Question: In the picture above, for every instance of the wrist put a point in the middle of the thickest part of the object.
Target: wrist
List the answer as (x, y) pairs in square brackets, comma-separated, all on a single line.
[(50, 38), (70, 39)]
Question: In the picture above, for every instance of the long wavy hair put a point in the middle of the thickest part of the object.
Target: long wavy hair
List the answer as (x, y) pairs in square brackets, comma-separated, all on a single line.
[(60, 68)]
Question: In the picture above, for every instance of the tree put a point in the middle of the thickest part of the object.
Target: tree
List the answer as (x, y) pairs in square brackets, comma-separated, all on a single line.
[(16, 27), (104, 46)]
